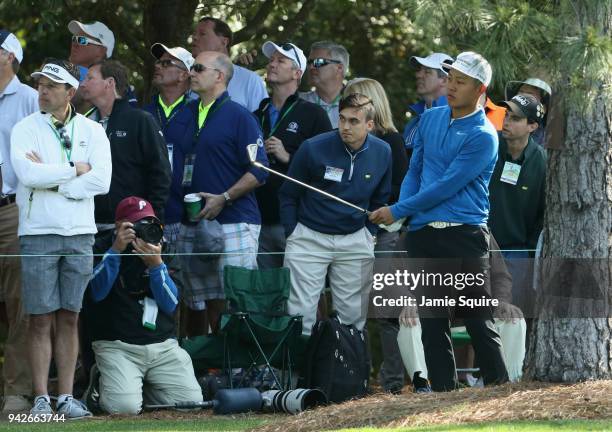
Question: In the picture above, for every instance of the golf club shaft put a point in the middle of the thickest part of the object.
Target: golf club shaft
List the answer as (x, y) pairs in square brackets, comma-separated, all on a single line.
[(286, 177)]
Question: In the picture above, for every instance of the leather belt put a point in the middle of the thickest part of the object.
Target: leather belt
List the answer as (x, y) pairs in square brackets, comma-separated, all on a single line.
[(440, 225), (7, 199)]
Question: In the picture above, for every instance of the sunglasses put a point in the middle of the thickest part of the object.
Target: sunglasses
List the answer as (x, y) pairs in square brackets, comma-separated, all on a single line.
[(167, 63), (199, 68), (84, 40), (320, 62), (288, 46)]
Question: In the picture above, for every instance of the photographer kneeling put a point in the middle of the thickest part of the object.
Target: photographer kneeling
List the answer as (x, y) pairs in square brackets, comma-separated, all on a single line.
[(131, 319)]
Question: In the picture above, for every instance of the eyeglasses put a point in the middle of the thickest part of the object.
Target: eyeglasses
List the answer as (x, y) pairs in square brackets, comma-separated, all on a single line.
[(63, 133), (320, 62), (167, 63), (289, 46), (84, 40), (199, 68)]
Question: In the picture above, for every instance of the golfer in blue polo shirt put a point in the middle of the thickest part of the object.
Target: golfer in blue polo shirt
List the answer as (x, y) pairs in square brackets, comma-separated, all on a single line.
[(445, 195)]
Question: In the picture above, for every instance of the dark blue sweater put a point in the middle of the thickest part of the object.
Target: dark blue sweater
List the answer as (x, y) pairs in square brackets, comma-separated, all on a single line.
[(177, 128), (450, 169), (221, 157), (365, 182)]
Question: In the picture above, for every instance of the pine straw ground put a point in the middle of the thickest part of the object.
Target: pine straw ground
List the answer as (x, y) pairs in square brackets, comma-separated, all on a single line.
[(522, 401)]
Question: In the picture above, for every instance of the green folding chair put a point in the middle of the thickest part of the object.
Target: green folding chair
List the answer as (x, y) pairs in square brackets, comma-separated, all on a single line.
[(256, 329)]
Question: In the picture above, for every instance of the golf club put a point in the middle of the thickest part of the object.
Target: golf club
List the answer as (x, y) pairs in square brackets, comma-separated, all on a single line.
[(252, 153)]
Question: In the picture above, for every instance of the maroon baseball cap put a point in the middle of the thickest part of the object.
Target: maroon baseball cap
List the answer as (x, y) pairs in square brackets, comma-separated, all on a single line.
[(133, 209)]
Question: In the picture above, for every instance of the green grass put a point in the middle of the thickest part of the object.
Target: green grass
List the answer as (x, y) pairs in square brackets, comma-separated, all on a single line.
[(139, 424), (518, 426), (241, 423)]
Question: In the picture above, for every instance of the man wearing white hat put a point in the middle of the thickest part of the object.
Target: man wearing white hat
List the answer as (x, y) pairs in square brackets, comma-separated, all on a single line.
[(286, 120), (17, 101), (445, 194), (62, 160), (431, 81), (169, 107)]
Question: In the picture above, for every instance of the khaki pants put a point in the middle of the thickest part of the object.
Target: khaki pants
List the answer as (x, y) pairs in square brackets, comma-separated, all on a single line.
[(349, 259), (513, 348), (160, 373), (17, 377)]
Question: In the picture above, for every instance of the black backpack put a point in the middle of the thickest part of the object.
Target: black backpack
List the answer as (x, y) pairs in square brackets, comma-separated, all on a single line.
[(337, 361)]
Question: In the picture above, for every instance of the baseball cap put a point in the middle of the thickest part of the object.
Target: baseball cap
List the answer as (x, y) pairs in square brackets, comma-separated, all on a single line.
[(57, 74), (473, 65), (288, 50), (526, 106), (97, 30), (133, 209), (179, 53), (9, 42), (513, 86), (432, 61)]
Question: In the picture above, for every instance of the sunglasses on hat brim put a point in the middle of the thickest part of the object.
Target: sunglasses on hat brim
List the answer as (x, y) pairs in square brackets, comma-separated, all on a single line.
[(289, 46)]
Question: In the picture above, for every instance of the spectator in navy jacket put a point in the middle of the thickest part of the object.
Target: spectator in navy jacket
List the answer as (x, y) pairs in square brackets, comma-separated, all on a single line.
[(222, 176), (326, 237)]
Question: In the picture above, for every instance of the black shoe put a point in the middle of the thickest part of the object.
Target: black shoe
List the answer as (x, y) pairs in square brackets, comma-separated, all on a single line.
[(421, 385), (91, 397)]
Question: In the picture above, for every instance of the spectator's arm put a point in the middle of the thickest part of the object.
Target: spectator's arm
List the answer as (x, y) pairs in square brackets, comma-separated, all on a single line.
[(97, 180), (32, 174), (472, 159), (536, 228), (290, 193), (158, 166), (501, 280), (163, 289), (381, 194), (249, 132), (104, 275), (400, 165)]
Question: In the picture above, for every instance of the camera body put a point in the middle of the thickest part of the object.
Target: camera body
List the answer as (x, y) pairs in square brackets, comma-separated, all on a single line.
[(150, 231)]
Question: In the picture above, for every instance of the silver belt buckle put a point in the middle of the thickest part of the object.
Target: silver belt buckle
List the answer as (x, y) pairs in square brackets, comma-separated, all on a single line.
[(439, 224)]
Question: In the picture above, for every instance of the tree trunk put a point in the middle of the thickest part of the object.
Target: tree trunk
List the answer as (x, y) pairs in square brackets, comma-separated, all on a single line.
[(572, 336)]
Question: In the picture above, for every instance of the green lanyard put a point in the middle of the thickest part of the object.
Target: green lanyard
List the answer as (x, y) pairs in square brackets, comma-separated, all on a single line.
[(330, 106), (279, 120), (63, 146)]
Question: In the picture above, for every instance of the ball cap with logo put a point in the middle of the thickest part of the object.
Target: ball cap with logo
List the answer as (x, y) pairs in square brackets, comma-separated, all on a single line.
[(288, 50), (57, 74), (526, 106), (432, 61), (133, 209), (179, 53), (10, 43), (96, 30), (473, 65)]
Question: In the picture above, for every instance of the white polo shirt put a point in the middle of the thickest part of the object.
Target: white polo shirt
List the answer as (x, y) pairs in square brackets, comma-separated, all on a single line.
[(17, 101)]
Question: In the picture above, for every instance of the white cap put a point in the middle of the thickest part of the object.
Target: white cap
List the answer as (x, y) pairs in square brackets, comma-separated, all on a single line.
[(432, 61), (473, 65), (10, 43), (57, 74), (288, 50), (179, 53), (96, 30)]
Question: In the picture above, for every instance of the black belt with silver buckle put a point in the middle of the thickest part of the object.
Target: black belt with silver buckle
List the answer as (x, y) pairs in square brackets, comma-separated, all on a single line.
[(7, 199)]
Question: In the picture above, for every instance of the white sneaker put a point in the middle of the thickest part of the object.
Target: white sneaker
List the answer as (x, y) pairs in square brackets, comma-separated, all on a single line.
[(15, 403), (42, 406), (73, 409)]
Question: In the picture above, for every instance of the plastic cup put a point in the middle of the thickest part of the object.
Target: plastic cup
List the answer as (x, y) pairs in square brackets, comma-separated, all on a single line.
[(193, 206)]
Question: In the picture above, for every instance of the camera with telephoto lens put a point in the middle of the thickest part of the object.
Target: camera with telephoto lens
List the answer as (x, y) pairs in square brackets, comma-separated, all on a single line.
[(150, 231)]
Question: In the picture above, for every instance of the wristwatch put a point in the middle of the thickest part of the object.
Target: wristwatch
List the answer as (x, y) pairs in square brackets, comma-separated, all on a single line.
[(228, 199)]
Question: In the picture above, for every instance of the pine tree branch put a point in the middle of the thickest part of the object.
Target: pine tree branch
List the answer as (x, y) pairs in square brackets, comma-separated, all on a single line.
[(253, 24)]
